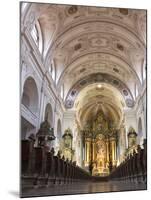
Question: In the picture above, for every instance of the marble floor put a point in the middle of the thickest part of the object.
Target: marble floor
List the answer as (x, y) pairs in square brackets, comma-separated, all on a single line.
[(83, 188)]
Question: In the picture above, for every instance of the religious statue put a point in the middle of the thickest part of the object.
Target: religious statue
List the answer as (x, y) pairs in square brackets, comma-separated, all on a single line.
[(67, 144), (132, 137), (100, 154)]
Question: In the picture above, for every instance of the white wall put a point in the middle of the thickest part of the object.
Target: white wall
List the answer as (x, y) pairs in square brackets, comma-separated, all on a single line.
[(32, 65)]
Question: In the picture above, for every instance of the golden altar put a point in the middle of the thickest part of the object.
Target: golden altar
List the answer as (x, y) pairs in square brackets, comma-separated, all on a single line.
[(100, 146)]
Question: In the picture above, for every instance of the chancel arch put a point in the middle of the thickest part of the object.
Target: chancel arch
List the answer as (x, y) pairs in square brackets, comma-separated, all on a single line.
[(99, 113), (99, 78)]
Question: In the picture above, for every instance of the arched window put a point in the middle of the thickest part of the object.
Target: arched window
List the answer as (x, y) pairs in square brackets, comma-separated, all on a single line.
[(52, 70), (62, 92), (136, 91), (30, 95), (144, 72), (37, 36), (49, 114)]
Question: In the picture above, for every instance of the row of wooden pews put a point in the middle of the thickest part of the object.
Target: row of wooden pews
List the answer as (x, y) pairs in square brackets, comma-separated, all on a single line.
[(134, 167), (42, 168)]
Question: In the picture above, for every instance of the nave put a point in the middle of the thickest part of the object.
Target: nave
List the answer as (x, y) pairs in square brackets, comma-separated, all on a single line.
[(85, 188), (83, 99), (43, 173)]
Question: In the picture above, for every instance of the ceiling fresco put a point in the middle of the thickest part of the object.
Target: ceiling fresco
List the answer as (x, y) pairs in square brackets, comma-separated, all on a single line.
[(91, 46)]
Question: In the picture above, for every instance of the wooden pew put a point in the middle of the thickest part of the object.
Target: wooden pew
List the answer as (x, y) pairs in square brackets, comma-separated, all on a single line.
[(50, 168)]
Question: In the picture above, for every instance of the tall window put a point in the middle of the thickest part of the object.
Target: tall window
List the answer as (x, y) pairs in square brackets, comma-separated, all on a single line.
[(136, 91), (144, 72), (62, 92), (52, 70), (35, 35)]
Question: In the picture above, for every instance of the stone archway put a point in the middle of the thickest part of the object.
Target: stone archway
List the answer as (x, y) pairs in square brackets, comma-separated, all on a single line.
[(30, 97), (30, 100)]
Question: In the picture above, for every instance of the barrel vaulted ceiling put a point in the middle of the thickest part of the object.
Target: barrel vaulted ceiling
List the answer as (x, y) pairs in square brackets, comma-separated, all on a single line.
[(85, 41)]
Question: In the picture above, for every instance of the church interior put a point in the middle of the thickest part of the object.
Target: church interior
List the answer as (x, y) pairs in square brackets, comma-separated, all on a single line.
[(83, 99)]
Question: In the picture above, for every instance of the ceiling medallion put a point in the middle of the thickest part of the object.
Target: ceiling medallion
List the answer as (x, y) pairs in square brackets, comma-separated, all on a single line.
[(72, 10), (77, 46), (123, 11), (116, 70), (120, 47), (125, 92), (99, 42)]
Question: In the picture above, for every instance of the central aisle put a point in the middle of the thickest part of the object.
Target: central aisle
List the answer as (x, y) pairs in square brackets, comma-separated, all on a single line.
[(83, 188)]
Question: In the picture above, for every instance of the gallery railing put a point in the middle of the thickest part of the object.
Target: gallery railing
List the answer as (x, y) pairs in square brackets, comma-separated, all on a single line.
[(42, 168), (133, 168)]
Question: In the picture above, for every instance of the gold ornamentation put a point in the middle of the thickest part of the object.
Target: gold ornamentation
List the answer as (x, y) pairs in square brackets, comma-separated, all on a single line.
[(100, 145)]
